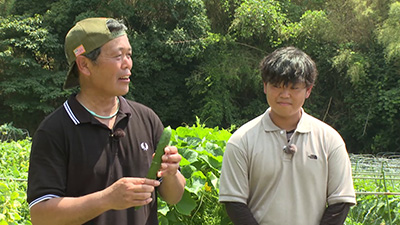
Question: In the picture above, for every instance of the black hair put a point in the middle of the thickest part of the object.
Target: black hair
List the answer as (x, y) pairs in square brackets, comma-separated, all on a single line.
[(288, 65)]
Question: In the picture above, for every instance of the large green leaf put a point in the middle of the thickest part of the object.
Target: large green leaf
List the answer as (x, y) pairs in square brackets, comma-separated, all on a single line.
[(196, 182), (189, 155), (187, 204)]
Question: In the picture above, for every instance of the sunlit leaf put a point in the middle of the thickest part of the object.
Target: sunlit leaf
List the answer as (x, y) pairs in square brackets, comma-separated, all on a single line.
[(187, 204)]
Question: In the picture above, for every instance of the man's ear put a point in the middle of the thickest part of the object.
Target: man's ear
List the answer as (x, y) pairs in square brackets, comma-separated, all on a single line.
[(265, 87), (308, 91), (82, 64)]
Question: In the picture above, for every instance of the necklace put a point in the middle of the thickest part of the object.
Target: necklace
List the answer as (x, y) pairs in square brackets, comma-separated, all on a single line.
[(103, 117)]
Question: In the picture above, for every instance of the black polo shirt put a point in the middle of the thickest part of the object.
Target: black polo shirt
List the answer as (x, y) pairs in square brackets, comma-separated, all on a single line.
[(73, 154)]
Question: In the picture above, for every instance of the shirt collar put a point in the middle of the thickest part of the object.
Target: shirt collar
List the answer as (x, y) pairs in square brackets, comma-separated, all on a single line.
[(303, 126), (79, 115)]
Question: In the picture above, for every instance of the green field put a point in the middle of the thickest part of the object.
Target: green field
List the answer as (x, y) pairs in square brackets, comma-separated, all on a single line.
[(376, 180)]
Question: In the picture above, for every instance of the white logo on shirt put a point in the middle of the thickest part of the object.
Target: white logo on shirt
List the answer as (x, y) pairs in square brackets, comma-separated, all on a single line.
[(144, 146)]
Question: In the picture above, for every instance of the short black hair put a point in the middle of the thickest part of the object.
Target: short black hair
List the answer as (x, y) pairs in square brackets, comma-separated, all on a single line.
[(288, 65)]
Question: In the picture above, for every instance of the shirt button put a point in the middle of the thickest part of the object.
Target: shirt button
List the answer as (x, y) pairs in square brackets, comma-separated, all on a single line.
[(282, 132)]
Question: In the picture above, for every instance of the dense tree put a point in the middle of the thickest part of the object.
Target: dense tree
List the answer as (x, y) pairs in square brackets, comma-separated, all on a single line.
[(166, 45), (226, 85), (200, 58), (29, 76)]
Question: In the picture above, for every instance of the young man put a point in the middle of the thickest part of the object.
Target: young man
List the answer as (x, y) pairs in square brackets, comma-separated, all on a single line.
[(286, 167), (89, 157)]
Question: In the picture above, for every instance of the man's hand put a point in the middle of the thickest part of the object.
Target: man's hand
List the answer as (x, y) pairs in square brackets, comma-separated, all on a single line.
[(124, 193), (170, 162), (128, 192), (173, 182)]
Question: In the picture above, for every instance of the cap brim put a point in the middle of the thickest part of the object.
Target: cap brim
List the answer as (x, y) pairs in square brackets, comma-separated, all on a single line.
[(72, 79)]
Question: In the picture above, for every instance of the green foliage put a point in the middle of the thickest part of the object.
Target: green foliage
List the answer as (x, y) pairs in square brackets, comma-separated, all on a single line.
[(227, 99), (200, 58), (5, 7), (371, 175), (389, 34), (14, 162), (371, 104), (254, 18), (202, 151), (354, 63), (8, 133), (314, 27), (373, 210), (28, 82), (166, 47), (353, 21), (219, 14)]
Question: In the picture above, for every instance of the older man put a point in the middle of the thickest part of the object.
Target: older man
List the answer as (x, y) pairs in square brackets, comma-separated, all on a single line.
[(90, 156)]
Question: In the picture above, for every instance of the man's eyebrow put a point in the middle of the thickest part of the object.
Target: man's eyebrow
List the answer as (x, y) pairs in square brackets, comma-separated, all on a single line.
[(123, 49), (120, 48)]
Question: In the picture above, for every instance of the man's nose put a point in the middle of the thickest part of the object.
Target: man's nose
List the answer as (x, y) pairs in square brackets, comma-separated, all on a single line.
[(285, 92), (127, 62)]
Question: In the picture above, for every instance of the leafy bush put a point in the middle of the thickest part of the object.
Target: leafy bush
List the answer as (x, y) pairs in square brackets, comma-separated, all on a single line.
[(202, 152), (8, 132), (14, 158)]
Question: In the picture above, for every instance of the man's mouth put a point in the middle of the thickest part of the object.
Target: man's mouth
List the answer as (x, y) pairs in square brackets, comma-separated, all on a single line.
[(124, 78)]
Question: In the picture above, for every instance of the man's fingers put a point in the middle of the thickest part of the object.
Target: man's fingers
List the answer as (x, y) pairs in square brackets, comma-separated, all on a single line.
[(171, 150), (171, 158), (142, 181)]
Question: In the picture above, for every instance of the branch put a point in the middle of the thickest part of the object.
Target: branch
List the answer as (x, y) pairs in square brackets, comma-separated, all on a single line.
[(327, 109)]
